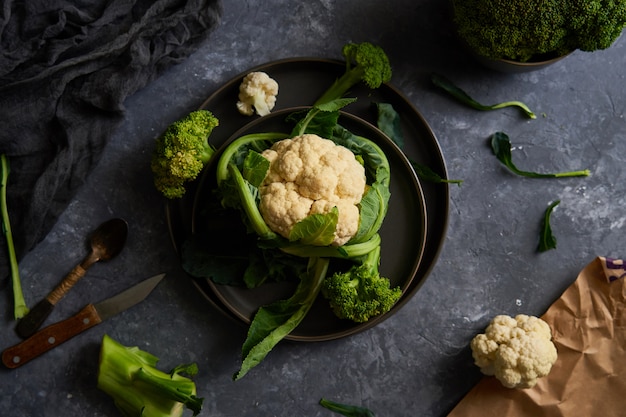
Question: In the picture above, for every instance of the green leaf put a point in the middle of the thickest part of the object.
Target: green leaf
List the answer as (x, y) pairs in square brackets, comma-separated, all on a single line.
[(203, 259), (501, 147), (272, 323), (255, 168), (547, 240), (374, 203), (389, 123), (320, 119), (372, 210), (335, 105), (347, 410), (425, 173), (449, 87), (316, 229)]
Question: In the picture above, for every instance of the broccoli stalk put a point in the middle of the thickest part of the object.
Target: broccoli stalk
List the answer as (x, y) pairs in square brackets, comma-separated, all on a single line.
[(360, 293), (364, 62), (182, 151), (129, 375), (20, 309)]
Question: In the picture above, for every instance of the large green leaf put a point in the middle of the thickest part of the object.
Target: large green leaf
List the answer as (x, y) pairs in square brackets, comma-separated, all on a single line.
[(316, 229)]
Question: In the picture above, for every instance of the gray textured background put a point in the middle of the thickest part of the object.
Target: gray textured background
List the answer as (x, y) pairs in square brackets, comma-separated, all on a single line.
[(417, 363)]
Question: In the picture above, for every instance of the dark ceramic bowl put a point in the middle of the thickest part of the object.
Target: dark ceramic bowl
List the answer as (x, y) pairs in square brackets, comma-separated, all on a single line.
[(508, 66)]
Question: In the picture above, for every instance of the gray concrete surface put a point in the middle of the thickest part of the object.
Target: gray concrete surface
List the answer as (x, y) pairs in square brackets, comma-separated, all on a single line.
[(417, 363)]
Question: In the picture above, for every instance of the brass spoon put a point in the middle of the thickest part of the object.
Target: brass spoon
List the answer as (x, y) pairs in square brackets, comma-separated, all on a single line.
[(106, 242)]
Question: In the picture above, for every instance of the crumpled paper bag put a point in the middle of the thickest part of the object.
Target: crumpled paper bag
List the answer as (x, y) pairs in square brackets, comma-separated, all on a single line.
[(588, 325)]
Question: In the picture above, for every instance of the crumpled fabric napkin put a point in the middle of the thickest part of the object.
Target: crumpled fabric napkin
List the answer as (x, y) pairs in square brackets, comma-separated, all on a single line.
[(66, 67)]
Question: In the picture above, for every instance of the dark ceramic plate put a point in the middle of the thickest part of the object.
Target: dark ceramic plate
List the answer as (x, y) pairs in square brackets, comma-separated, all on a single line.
[(403, 234), (301, 81)]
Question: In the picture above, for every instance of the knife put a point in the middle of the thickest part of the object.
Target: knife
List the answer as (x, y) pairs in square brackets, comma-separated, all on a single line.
[(89, 316)]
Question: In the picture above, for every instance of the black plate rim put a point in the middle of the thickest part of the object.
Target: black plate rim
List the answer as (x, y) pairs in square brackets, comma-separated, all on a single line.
[(175, 210), (218, 290)]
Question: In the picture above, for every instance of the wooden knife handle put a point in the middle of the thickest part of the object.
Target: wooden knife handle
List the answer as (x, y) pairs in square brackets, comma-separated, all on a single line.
[(50, 336)]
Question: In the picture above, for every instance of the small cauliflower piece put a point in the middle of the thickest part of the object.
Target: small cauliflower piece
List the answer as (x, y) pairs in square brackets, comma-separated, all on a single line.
[(517, 351), (311, 175), (257, 92)]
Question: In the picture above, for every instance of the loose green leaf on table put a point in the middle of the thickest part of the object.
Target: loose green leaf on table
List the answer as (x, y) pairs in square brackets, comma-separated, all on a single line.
[(547, 240), (501, 147), (456, 92), (389, 123), (346, 409)]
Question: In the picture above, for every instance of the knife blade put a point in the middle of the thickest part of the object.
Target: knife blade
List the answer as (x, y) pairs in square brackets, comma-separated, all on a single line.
[(91, 315)]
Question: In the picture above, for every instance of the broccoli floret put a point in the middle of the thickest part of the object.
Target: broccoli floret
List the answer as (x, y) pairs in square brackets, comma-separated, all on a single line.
[(360, 293), (182, 151), (521, 29), (364, 62), (130, 377)]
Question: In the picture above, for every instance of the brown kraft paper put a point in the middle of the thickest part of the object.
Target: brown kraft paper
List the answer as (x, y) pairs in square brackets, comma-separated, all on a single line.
[(588, 325)]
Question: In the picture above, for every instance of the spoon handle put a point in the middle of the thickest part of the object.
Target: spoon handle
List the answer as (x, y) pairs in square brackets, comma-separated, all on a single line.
[(32, 321), (64, 286)]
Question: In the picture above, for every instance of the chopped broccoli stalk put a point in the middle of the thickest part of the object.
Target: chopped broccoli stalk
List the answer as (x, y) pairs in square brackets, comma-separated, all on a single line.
[(346, 409), (364, 62), (360, 293), (182, 151), (20, 309), (130, 377)]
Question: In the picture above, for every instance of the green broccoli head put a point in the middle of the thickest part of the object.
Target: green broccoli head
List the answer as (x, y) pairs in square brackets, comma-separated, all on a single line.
[(182, 151), (522, 30), (597, 24), (360, 293), (366, 63), (369, 62)]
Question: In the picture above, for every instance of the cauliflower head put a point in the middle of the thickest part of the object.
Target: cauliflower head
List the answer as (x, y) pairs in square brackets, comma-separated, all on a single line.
[(517, 351), (257, 92), (311, 175)]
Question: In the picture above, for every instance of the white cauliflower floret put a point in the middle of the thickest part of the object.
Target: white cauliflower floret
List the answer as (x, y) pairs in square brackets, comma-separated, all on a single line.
[(257, 92), (311, 175), (517, 351)]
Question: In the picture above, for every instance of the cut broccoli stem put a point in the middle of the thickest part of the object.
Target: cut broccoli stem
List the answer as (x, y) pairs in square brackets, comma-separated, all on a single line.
[(129, 375), (20, 309), (341, 85)]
